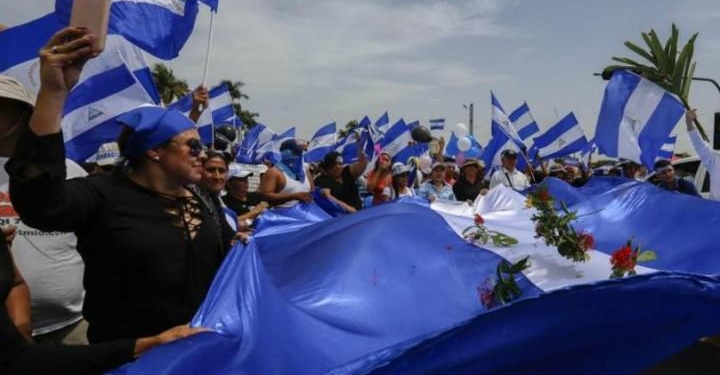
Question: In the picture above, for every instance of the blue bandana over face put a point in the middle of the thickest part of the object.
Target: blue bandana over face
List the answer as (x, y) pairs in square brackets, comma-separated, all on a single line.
[(292, 164)]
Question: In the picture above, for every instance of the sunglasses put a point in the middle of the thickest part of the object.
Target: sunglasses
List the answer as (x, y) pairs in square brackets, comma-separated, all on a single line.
[(196, 147)]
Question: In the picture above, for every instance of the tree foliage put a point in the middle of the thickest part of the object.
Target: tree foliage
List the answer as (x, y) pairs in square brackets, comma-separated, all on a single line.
[(169, 87), (352, 124)]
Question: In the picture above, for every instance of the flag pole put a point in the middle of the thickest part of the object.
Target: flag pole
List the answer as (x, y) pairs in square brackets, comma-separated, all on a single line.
[(205, 76)]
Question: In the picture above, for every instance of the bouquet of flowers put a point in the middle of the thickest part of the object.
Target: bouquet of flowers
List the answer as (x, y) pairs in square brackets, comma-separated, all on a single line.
[(554, 227)]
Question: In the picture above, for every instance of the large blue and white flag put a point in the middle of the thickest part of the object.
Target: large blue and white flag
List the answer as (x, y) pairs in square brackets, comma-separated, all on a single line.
[(636, 118), (667, 151), (310, 294), (89, 115), (562, 139), (160, 27), (219, 110), (524, 121), (322, 143), (501, 123), (20, 60)]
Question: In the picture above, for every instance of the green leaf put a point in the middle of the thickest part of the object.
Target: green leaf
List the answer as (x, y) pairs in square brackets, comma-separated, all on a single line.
[(646, 256), (520, 265), (687, 82), (682, 62), (658, 52), (505, 266), (647, 56), (632, 63), (513, 287), (671, 48)]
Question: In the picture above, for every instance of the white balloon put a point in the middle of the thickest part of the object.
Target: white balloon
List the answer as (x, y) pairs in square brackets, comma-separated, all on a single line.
[(460, 129), (464, 144), (425, 163)]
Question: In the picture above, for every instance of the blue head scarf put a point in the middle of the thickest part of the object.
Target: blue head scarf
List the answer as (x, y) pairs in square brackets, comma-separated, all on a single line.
[(153, 126)]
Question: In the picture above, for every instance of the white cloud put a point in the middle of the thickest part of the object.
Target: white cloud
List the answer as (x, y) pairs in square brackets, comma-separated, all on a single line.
[(351, 55)]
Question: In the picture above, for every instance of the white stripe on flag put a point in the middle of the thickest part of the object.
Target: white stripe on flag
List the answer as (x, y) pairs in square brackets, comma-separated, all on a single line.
[(85, 118), (175, 6), (638, 110)]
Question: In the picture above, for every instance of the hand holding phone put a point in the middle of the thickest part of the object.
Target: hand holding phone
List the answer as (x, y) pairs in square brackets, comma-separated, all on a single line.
[(93, 15)]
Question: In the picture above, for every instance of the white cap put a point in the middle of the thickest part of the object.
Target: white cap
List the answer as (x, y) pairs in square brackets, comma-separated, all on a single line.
[(107, 154), (400, 168), (238, 172)]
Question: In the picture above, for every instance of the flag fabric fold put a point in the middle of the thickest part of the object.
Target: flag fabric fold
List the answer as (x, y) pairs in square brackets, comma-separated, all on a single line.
[(313, 295)]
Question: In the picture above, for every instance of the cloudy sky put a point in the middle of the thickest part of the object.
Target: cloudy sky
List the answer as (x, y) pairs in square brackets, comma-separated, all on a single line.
[(307, 63)]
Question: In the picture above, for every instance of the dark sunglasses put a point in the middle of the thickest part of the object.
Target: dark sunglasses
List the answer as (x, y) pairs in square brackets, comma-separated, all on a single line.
[(196, 147)]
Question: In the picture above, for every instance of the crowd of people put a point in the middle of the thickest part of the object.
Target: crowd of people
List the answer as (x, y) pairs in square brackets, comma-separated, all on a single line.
[(99, 265)]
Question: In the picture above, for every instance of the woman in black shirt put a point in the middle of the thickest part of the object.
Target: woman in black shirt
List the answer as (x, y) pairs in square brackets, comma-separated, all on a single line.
[(19, 357), (151, 246), (470, 184)]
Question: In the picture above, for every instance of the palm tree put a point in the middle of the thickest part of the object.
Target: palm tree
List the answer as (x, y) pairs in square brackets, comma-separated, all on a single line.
[(671, 68), (169, 86), (352, 124)]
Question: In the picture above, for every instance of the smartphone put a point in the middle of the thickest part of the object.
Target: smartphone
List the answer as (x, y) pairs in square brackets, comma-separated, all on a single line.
[(93, 14)]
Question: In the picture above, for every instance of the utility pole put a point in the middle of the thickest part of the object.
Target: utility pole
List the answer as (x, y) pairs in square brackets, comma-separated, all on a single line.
[(471, 109)]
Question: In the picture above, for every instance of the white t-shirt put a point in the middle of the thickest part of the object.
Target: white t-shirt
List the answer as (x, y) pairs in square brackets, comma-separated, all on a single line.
[(515, 179), (48, 261)]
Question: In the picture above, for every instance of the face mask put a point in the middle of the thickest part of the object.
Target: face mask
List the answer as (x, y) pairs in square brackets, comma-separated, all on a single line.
[(294, 164)]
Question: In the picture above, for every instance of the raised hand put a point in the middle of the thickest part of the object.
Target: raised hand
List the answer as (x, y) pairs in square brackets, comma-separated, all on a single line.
[(63, 57)]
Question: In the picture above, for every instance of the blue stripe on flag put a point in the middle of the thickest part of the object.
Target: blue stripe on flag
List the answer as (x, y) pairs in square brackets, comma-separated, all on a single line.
[(617, 92), (86, 144), (153, 27), (382, 120), (652, 138), (97, 87), (21, 43)]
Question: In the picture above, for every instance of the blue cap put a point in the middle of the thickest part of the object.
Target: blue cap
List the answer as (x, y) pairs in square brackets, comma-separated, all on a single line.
[(153, 126)]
